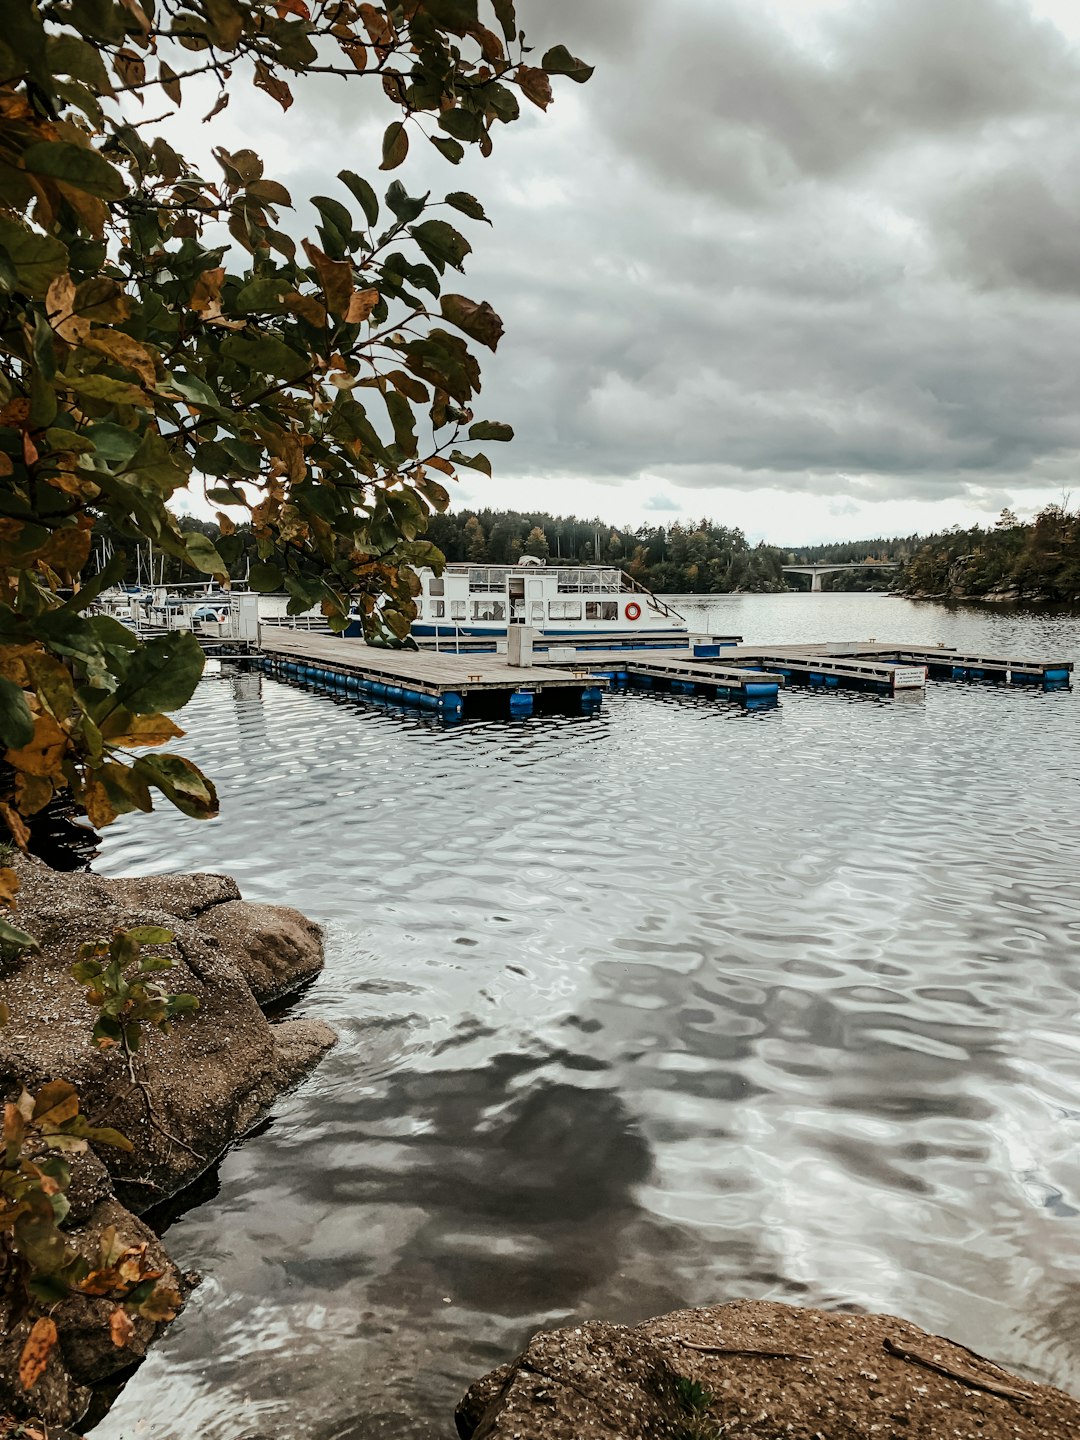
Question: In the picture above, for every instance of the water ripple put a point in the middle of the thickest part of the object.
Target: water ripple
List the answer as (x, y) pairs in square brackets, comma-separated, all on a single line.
[(659, 1007)]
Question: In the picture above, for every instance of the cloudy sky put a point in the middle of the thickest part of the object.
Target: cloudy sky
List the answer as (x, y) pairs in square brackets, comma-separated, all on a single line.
[(811, 267)]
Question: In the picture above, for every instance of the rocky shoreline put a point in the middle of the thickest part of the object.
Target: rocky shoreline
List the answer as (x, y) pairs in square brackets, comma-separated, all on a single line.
[(758, 1370), (195, 1091)]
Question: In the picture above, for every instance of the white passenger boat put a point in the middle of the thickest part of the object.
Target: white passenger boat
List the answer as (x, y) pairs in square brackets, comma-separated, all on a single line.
[(554, 600)]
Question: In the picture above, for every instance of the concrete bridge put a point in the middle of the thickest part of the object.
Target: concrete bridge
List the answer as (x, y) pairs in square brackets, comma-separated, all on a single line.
[(817, 571)]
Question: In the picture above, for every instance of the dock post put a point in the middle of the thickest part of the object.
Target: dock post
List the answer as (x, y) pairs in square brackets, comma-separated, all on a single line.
[(519, 646)]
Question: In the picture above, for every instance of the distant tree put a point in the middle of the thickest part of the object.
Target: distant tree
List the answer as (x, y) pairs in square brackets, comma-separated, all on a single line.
[(536, 543), (475, 540), (1007, 520)]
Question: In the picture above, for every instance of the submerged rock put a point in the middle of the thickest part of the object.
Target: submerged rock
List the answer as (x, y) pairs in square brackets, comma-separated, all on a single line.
[(188, 1096), (756, 1370)]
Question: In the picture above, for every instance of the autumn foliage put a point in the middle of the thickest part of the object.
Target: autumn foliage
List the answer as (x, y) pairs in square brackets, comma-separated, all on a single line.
[(161, 328)]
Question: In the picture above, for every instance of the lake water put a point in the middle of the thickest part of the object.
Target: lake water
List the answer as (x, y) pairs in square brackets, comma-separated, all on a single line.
[(658, 1008)]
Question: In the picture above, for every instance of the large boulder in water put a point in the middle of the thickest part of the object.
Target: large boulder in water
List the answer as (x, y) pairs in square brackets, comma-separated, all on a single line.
[(757, 1370), (187, 1096), (197, 1089)]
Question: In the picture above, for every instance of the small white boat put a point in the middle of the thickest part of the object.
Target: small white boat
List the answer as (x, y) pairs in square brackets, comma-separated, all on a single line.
[(477, 601)]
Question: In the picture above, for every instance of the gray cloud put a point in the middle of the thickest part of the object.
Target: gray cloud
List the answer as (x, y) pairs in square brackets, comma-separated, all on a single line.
[(837, 262)]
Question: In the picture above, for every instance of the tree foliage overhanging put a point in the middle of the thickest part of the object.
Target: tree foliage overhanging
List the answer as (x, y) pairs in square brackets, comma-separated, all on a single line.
[(158, 326)]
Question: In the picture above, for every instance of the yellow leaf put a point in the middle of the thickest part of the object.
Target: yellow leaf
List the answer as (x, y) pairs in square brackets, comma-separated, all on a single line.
[(122, 729), (60, 302), (125, 351), (45, 751), (32, 793), (35, 1356), (95, 801), (207, 291), (9, 885)]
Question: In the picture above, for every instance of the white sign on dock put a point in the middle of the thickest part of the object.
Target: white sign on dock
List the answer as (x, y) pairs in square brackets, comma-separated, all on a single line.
[(909, 677)]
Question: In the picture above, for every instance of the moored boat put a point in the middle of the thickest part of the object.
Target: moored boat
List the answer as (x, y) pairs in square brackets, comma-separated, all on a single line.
[(477, 601)]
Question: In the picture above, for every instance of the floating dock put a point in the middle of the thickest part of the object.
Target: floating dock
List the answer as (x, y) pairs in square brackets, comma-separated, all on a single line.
[(486, 684), (452, 685), (938, 661)]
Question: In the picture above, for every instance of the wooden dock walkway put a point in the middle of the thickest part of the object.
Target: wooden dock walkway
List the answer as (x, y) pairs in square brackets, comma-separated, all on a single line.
[(485, 683), (947, 664)]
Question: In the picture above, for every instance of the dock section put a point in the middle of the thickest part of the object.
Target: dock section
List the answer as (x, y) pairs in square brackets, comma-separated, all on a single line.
[(452, 685), (947, 664), (482, 683)]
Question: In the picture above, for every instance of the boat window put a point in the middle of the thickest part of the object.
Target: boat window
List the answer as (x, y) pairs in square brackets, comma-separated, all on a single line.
[(536, 612), (438, 608), (488, 610), (436, 585), (564, 610), (485, 579), (457, 609), (601, 610)]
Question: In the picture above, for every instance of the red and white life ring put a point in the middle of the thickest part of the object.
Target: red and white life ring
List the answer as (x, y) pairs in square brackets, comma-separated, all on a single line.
[(633, 611)]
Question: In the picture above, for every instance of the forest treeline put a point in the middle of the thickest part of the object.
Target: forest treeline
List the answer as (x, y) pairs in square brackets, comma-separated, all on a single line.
[(1036, 561), (1040, 560)]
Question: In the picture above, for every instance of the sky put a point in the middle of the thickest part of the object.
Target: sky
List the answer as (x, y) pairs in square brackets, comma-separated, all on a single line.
[(809, 267)]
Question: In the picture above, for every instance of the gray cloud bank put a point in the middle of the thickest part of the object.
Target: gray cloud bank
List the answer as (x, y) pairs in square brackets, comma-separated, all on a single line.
[(839, 261)]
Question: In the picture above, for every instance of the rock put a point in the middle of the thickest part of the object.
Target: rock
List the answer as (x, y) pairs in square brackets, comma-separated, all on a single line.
[(83, 1321), (190, 1093), (85, 1354), (221, 1067), (299, 1045), (822, 1376), (276, 949)]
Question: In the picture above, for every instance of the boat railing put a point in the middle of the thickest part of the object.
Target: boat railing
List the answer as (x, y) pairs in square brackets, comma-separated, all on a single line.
[(639, 589)]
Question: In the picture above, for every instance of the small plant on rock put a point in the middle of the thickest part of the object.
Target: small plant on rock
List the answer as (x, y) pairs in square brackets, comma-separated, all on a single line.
[(39, 1266)]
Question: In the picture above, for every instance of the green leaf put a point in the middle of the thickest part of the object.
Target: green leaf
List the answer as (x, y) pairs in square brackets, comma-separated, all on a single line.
[(403, 421), (181, 782), (203, 555), (395, 145), (559, 61), (369, 202), (262, 295), (162, 674), (504, 10), (474, 462), (104, 387), (265, 578), (267, 356), (451, 149), (490, 430), (75, 165), (36, 259), (467, 204), (16, 722), (16, 938), (405, 206), (441, 243), (150, 935), (465, 125)]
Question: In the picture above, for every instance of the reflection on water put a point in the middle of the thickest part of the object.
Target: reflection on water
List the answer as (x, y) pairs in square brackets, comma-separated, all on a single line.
[(657, 1008)]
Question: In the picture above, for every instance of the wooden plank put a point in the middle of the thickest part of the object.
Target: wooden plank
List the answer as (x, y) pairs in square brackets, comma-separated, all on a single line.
[(802, 659), (703, 672)]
